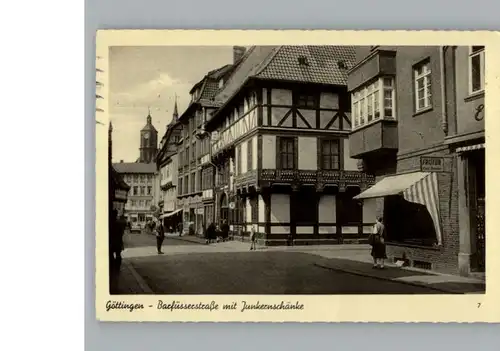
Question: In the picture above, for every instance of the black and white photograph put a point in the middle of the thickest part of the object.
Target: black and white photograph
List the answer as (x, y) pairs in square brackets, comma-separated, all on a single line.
[(294, 170), (321, 180)]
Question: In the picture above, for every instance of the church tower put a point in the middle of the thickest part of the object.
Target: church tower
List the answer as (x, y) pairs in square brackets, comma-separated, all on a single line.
[(149, 142)]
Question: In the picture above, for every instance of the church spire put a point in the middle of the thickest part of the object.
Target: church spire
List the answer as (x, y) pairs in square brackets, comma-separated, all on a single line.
[(175, 115), (148, 118)]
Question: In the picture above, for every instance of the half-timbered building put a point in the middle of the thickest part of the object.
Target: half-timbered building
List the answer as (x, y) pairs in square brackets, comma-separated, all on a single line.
[(195, 172), (280, 144), (167, 165)]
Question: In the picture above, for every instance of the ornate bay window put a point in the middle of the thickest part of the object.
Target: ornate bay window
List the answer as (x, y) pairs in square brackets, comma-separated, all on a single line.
[(366, 102)]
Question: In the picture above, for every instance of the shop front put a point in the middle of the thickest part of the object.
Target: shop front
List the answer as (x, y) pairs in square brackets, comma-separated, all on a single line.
[(472, 195), (416, 204)]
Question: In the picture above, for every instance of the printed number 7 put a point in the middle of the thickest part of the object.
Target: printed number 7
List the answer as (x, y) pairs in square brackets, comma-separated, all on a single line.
[(478, 304)]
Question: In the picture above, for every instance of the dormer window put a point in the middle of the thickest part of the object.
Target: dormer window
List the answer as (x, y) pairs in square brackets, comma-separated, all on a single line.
[(303, 61), (341, 64)]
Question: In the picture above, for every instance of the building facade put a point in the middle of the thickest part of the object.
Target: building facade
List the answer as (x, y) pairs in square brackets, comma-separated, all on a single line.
[(142, 178), (408, 104), (195, 171), (167, 165), (281, 150)]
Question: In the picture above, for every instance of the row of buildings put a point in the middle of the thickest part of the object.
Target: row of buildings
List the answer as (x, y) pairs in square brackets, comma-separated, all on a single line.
[(311, 143)]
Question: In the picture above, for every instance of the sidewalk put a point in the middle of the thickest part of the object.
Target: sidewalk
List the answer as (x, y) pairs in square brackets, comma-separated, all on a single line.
[(446, 283)]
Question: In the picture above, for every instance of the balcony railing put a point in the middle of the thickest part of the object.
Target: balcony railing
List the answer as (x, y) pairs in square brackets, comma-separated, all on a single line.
[(268, 177)]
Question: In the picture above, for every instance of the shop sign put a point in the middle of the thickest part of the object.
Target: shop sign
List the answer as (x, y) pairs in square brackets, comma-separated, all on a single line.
[(432, 164)]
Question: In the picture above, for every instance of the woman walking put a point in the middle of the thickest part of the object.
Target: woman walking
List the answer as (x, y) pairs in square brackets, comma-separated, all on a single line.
[(377, 242)]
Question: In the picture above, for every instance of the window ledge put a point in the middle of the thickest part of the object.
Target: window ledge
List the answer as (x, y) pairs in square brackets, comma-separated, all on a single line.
[(401, 244), (474, 96), (366, 125), (422, 111)]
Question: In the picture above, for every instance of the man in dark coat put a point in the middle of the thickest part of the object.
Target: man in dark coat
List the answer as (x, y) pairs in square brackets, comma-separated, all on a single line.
[(224, 230), (116, 242), (160, 236)]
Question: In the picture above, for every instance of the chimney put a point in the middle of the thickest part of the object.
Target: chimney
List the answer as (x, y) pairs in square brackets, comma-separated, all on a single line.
[(238, 52)]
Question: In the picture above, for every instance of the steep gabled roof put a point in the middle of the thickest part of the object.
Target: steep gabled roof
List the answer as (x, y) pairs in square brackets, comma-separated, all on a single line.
[(323, 65), (134, 167), (254, 60), (209, 87), (117, 180)]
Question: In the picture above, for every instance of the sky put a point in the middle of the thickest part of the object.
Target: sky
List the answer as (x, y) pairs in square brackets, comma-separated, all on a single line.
[(151, 76)]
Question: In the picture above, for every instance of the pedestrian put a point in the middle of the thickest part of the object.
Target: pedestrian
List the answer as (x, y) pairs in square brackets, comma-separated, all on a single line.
[(179, 228), (377, 242), (117, 240), (253, 239), (224, 230), (210, 233), (160, 236)]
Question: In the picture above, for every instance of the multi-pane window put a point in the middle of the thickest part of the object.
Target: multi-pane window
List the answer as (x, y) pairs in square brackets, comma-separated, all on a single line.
[(186, 185), (306, 100), (238, 160), (198, 181), (136, 190), (149, 190), (422, 85), (193, 182), (388, 89), (187, 156), (249, 154), (330, 154), (476, 69), (179, 189), (367, 102), (143, 190), (287, 153)]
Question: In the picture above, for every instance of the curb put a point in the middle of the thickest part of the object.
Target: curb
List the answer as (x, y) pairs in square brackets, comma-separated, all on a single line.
[(387, 279), (142, 283)]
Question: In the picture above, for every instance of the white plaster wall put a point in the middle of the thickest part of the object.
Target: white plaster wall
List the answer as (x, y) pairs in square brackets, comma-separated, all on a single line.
[(308, 153), (244, 157), (254, 152), (269, 151), (262, 209), (248, 211), (280, 208), (281, 97), (350, 164), (327, 209), (369, 210), (329, 100)]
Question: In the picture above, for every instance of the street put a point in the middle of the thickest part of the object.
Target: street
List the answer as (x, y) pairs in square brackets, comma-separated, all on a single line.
[(231, 268)]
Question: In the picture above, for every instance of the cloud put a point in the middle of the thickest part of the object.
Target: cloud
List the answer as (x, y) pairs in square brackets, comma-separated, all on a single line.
[(154, 92)]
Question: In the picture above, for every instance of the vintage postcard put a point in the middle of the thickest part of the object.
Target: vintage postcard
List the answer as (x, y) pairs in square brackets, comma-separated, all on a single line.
[(307, 176)]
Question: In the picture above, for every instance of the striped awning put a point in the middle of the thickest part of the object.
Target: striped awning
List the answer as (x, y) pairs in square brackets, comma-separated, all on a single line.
[(418, 187), (166, 215), (470, 148)]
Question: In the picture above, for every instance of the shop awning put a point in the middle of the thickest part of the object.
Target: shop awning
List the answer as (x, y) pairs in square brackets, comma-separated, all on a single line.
[(470, 148), (417, 187), (166, 215)]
